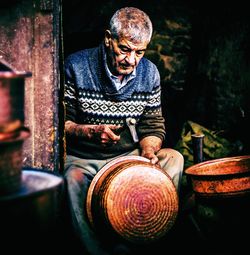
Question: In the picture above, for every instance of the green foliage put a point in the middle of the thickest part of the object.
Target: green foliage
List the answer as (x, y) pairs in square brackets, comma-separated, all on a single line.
[(214, 146)]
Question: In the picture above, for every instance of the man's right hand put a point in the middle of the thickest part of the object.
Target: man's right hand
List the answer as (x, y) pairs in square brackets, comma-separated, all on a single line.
[(103, 134)]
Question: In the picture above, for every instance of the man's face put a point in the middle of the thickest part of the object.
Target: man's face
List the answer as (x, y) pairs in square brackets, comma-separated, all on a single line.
[(123, 55)]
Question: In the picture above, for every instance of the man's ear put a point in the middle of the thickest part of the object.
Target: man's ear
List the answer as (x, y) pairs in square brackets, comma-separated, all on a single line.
[(107, 38)]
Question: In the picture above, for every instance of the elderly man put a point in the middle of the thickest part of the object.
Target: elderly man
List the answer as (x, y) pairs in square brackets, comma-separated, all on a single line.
[(113, 109)]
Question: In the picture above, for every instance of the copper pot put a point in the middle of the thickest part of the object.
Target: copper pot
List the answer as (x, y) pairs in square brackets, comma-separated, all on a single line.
[(133, 199), (11, 161), (223, 177), (12, 100)]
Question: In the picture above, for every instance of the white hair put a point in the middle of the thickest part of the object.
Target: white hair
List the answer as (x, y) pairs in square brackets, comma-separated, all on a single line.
[(131, 23)]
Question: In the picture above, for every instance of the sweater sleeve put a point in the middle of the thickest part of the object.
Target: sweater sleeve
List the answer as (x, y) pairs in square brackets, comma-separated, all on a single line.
[(70, 98), (152, 123)]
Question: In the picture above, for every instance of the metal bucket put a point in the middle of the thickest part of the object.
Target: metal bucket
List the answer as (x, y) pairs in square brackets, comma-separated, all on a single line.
[(29, 216), (11, 162), (133, 199)]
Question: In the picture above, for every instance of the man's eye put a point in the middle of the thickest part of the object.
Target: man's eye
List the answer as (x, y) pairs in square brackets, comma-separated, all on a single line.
[(140, 52), (124, 50)]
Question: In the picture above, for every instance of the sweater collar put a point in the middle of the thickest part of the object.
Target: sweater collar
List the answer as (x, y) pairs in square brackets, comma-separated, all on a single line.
[(119, 84), (109, 85)]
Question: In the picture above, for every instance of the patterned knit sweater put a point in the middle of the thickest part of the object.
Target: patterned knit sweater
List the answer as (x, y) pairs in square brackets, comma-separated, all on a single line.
[(92, 98)]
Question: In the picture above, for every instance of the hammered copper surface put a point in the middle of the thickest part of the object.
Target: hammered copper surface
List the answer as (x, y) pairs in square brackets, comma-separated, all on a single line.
[(134, 199)]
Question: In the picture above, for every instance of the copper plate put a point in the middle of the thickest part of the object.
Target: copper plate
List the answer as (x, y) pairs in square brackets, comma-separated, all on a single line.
[(134, 199)]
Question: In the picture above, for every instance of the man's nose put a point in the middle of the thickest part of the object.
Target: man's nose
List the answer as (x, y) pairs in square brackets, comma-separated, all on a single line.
[(131, 58)]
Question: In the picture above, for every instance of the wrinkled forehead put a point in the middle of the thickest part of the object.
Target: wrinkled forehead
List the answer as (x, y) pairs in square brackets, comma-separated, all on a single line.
[(131, 44)]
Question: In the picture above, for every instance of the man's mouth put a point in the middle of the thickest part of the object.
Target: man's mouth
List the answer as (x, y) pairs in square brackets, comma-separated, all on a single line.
[(125, 67)]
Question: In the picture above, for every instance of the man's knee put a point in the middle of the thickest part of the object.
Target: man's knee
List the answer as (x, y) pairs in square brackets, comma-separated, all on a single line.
[(167, 153), (75, 175)]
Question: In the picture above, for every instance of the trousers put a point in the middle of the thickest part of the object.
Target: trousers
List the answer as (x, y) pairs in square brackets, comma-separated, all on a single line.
[(78, 174)]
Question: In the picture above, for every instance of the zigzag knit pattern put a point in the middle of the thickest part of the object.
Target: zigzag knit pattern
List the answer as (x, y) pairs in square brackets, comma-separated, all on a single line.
[(94, 108)]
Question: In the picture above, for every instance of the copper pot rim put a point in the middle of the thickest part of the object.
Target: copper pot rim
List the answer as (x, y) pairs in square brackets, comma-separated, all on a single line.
[(14, 74), (11, 126), (21, 134), (200, 170)]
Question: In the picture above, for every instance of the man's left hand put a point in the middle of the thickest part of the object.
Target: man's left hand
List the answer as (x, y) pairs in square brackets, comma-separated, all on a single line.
[(150, 145)]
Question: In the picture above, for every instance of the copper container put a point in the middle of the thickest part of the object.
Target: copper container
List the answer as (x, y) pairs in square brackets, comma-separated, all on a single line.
[(11, 161), (133, 199), (224, 177), (12, 100)]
